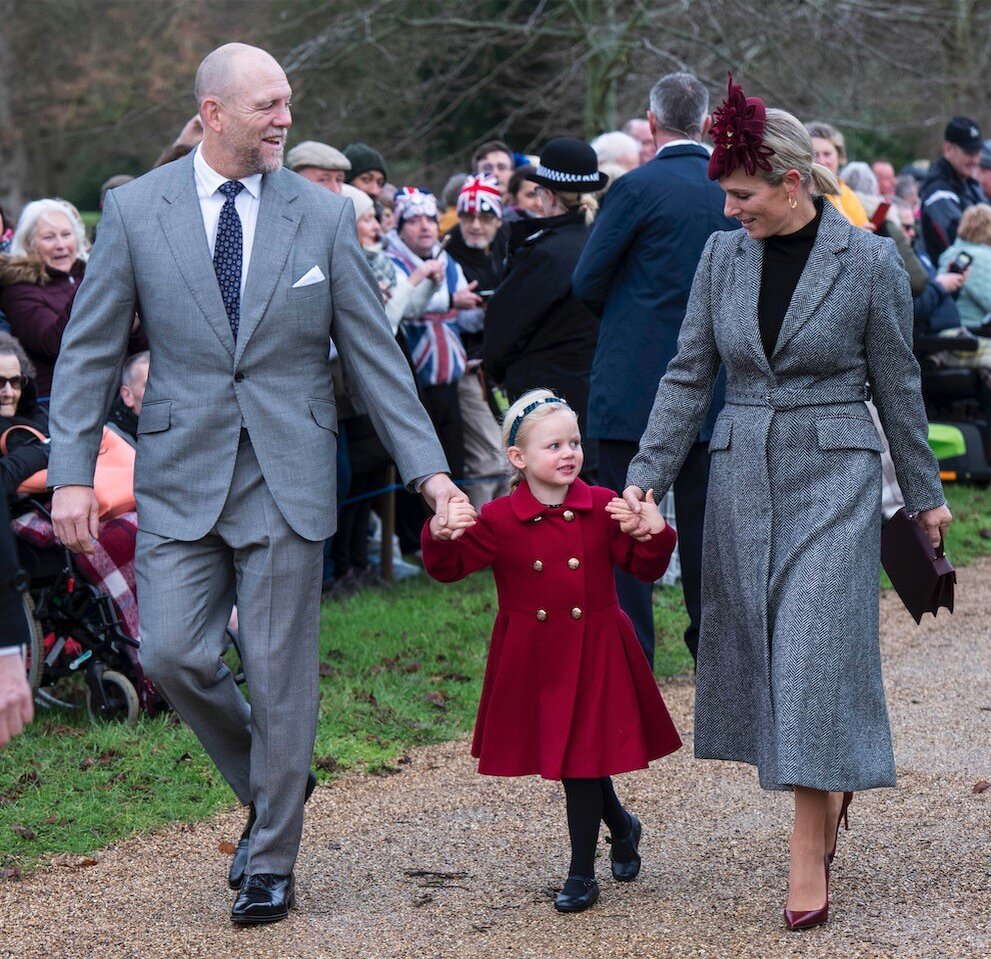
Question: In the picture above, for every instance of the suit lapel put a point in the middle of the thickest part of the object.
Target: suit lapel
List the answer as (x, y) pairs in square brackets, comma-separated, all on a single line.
[(278, 220), (182, 223), (819, 275)]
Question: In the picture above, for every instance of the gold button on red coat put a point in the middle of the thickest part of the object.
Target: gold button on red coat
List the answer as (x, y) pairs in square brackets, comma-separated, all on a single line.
[(576, 613), (574, 562), (568, 515), (541, 614), (537, 519), (538, 566)]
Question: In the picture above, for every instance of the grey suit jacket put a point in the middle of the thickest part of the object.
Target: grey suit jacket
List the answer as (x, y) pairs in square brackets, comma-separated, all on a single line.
[(152, 257)]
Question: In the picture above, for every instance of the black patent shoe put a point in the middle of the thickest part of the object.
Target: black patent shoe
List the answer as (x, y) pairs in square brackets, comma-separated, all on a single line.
[(579, 893), (265, 897), (624, 855), (239, 863)]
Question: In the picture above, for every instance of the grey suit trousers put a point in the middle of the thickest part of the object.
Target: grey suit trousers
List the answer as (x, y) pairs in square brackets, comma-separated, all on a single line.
[(186, 591)]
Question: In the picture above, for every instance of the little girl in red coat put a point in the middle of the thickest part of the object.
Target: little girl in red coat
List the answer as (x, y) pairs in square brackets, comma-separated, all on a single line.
[(568, 692)]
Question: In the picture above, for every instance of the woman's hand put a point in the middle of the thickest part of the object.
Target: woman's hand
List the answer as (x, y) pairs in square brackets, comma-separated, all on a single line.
[(638, 515), (951, 282), (935, 522), (460, 515)]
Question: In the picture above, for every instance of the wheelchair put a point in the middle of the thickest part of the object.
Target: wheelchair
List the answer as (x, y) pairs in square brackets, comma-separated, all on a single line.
[(74, 630)]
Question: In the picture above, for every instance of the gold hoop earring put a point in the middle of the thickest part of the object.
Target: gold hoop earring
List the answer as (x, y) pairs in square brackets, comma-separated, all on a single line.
[(792, 202)]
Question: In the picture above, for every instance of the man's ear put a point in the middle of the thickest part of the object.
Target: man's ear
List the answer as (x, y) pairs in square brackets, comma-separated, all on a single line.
[(652, 123), (210, 114), (706, 126)]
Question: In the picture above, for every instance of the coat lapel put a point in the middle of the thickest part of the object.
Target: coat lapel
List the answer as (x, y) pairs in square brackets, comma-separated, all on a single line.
[(278, 220), (819, 275), (182, 223), (747, 266)]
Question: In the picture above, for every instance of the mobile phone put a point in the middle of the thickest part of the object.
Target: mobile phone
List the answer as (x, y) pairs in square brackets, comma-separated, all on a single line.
[(879, 214), (961, 263), (485, 294)]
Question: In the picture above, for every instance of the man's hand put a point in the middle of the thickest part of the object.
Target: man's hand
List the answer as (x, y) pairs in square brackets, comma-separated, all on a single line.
[(16, 708), (439, 491), (460, 515), (466, 299), (428, 269), (951, 282), (76, 517), (935, 522)]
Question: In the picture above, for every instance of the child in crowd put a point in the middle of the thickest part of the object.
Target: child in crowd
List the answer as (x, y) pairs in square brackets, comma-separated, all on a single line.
[(568, 692)]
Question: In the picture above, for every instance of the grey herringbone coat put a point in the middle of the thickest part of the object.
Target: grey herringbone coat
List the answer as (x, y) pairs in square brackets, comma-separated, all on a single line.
[(789, 668)]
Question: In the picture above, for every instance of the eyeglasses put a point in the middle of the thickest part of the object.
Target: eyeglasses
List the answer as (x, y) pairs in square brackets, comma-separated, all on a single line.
[(480, 217), (17, 382)]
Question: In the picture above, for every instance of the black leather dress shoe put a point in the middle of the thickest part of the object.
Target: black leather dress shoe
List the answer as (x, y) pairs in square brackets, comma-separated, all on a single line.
[(240, 861), (265, 897), (579, 893), (624, 855)]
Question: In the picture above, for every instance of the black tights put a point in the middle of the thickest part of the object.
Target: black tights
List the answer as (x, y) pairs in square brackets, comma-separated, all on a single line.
[(589, 802)]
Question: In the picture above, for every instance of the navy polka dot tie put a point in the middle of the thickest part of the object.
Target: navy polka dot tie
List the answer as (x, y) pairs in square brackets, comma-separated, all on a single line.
[(227, 253)]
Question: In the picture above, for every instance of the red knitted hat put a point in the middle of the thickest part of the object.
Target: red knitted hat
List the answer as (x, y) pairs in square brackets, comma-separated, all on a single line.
[(481, 194)]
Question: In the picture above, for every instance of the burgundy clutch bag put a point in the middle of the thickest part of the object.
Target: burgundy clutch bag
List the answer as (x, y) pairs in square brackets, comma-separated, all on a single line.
[(922, 576)]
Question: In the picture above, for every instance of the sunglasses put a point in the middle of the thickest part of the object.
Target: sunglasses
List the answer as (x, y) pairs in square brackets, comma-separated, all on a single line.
[(17, 382)]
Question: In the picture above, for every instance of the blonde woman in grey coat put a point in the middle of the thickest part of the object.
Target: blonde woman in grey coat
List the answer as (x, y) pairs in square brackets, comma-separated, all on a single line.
[(810, 316)]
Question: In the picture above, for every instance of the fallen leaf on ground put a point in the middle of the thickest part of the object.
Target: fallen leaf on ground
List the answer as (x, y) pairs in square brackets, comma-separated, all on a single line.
[(327, 763), (23, 831), (437, 698), (227, 848), (325, 669), (11, 873), (982, 785)]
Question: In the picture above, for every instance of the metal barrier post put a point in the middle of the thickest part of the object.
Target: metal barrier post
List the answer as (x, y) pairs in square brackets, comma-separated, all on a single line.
[(388, 506)]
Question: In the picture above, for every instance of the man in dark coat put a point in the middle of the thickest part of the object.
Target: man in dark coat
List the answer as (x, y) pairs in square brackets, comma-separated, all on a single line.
[(950, 185), (636, 273)]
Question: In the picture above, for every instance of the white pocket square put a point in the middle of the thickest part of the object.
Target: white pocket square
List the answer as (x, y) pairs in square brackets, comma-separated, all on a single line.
[(309, 278)]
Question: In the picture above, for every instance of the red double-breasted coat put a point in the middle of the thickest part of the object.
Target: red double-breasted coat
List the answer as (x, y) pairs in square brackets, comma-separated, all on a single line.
[(568, 692)]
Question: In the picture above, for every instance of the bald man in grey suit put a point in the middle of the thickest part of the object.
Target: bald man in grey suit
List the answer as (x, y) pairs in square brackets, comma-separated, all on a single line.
[(241, 272)]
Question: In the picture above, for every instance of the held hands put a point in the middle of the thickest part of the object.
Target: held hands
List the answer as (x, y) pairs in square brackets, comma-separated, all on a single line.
[(935, 522), (441, 494), (637, 514), (460, 515), (76, 517)]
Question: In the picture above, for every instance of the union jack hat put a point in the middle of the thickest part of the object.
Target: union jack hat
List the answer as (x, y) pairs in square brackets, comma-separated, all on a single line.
[(481, 194), (411, 201)]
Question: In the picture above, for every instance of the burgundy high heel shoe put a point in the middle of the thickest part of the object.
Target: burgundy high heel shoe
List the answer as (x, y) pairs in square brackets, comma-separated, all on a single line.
[(798, 919), (847, 799)]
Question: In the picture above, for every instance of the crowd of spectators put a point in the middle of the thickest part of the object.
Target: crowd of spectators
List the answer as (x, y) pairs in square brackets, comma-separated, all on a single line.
[(477, 286)]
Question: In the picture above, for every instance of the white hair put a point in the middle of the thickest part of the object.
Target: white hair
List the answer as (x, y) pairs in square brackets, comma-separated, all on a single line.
[(618, 148), (39, 209)]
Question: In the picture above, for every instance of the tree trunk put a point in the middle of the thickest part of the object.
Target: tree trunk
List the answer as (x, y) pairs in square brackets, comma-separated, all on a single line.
[(13, 156)]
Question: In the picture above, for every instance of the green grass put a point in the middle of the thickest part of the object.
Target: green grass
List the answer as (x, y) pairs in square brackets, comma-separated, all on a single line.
[(399, 668)]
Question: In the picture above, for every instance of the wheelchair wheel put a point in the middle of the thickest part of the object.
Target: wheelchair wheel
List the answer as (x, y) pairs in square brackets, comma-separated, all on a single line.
[(116, 702), (34, 653)]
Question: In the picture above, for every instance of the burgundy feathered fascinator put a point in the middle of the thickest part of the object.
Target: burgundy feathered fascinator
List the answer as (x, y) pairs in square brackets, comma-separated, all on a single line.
[(737, 132)]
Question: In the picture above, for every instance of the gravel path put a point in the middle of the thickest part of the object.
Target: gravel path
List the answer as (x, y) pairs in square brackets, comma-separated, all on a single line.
[(439, 862)]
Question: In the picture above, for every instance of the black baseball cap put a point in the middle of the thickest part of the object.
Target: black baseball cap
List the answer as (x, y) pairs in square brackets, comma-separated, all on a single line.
[(964, 133)]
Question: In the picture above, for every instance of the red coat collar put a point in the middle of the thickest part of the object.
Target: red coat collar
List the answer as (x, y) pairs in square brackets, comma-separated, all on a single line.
[(527, 507)]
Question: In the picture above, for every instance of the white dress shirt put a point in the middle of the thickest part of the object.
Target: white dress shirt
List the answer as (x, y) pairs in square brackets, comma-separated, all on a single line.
[(208, 182)]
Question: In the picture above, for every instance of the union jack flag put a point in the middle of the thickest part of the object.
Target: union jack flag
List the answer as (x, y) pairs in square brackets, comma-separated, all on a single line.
[(435, 348)]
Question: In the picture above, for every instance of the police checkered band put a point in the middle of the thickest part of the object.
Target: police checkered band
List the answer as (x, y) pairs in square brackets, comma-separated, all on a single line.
[(558, 177)]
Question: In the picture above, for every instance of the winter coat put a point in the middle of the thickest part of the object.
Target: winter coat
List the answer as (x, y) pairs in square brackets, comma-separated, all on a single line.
[(945, 196), (36, 300), (636, 273), (26, 455), (789, 664), (974, 298), (568, 692), (537, 332), (484, 267)]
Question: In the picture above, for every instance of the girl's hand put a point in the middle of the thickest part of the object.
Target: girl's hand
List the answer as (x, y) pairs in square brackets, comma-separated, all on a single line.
[(460, 515), (641, 526)]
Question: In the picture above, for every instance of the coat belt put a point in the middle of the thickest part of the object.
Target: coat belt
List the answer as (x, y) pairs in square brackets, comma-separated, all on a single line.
[(785, 399)]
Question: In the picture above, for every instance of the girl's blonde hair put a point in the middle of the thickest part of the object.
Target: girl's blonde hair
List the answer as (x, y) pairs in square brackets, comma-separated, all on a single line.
[(527, 421), (792, 146)]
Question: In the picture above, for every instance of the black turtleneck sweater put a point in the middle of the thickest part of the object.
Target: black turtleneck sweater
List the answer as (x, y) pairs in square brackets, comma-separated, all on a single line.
[(784, 259)]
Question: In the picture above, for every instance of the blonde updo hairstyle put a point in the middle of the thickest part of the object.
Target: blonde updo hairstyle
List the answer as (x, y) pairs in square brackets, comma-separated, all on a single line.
[(587, 203), (528, 422), (792, 146)]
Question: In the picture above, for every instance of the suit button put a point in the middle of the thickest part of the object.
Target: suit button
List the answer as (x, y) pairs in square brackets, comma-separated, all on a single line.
[(576, 613), (574, 562), (538, 566), (239, 377), (541, 614), (568, 515)]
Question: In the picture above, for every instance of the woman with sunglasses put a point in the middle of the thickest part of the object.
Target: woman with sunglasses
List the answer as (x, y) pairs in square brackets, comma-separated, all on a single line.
[(19, 406)]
